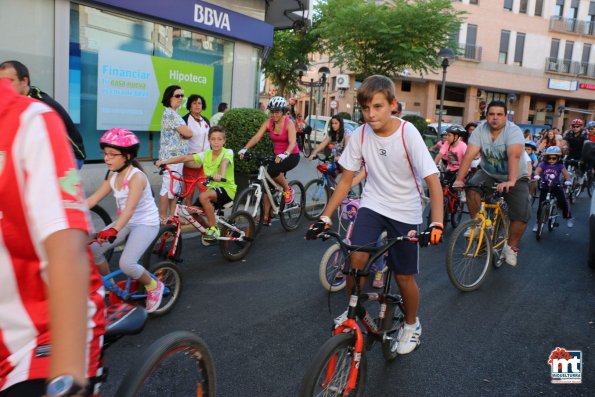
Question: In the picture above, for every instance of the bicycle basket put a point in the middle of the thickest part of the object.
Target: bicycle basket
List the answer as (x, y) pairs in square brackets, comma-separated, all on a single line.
[(349, 209)]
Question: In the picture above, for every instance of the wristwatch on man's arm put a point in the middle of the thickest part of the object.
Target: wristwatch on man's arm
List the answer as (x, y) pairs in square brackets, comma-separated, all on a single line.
[(66, 386)]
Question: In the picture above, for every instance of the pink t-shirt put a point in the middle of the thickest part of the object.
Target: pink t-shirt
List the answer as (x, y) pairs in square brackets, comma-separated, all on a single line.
[(453, 154), (281, 141)]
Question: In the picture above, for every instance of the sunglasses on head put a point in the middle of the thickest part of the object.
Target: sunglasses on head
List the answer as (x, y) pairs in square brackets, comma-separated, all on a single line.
[(179, 96)]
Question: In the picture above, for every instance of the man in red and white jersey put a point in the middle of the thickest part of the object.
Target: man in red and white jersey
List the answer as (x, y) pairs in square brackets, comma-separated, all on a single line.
[(52, 316)]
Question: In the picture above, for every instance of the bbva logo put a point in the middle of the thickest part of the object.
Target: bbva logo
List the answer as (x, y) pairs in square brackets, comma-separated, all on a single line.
[(210, 17)]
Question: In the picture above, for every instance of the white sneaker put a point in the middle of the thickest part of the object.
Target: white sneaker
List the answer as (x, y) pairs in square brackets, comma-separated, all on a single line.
[(510, 255), (468, 232), (408, 337), (463, 197), (535, 228), (570, 222)]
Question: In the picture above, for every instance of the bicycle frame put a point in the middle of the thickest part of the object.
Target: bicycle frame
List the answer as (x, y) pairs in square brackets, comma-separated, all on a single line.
[(486, 222)]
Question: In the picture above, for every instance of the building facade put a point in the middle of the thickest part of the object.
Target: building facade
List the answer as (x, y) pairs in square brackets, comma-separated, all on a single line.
[(108, 61), (537, 55)]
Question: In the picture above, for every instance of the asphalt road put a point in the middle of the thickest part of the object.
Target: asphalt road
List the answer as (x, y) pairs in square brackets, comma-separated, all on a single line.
[(265, 317)]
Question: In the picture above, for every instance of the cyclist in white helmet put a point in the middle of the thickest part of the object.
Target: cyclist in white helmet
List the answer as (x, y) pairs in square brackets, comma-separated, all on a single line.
[(283, 135)]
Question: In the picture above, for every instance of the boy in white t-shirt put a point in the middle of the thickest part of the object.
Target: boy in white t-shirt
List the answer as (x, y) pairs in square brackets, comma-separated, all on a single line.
[(395, 158)]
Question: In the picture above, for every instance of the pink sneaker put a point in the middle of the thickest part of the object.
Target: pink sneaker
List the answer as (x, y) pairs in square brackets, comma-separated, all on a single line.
[(288, 195), (154, 297)]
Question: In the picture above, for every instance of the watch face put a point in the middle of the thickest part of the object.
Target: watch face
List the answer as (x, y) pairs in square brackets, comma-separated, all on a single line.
[(60, 385)]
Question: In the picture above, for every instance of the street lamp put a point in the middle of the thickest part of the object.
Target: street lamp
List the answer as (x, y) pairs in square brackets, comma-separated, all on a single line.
[(323, 73), (447, 55)]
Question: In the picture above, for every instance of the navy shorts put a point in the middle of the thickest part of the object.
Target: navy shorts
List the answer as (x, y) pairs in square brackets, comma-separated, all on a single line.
[(403, 257)]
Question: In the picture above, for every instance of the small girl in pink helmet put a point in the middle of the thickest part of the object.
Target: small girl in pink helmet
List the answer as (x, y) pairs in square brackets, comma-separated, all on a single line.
[(137, 216)]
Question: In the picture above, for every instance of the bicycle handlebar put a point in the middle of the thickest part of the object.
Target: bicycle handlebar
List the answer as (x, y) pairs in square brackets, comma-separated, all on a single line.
[(174, 176), (262, 159), (375, 251)]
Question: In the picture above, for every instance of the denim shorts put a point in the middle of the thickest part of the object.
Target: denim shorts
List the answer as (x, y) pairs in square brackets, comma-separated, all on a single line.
[(403, 257)]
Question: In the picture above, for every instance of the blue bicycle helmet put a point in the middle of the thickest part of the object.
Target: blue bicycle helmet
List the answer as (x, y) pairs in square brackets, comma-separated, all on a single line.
[(591, 124), (553, 150), (532, 144)]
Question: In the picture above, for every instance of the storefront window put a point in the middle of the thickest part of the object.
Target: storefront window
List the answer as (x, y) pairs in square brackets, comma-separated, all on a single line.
[(120, 66)]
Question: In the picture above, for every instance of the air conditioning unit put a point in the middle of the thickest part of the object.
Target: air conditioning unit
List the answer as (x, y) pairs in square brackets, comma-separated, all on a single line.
[(343, 81)]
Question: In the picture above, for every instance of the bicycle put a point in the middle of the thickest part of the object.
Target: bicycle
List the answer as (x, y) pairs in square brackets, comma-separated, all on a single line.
[(453, 204), (251, 198), (319, 190), (100, 219), (339, 367), (147, 370), (237, 230), (547, 213), (130, 291), (477, 243), (330, 269), (304, 142)]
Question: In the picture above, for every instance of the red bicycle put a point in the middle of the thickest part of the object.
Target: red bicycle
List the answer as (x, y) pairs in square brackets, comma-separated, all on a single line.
[(454, 203), (339, 367)]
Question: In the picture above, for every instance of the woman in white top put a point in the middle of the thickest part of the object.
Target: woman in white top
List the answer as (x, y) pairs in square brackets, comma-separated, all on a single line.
[(199, 125), (137, 217)]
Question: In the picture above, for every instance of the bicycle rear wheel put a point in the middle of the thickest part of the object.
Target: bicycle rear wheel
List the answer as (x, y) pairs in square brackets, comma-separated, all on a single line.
[(330, 270), (240, 221), (329, 371), (248, 201), (468, 258), (316, 196), (457, 214), (291, 214), (307, 148), (177, 364), (169, 274)]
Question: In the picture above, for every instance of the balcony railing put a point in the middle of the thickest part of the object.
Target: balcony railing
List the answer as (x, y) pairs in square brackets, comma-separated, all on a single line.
[(571, 25), (470, 52), (566, 66)]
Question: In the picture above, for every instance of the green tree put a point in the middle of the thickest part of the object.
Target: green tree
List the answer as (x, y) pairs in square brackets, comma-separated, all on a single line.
[(368, 38), (290, 49)]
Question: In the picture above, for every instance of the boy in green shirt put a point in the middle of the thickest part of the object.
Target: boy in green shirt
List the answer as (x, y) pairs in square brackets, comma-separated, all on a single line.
[(218, 164)]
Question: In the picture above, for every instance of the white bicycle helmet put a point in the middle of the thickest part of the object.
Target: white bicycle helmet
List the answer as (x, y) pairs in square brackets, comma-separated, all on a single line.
[(277, 103)]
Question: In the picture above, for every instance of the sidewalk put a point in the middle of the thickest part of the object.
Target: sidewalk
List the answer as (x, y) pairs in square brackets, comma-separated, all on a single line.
[(92, 176)]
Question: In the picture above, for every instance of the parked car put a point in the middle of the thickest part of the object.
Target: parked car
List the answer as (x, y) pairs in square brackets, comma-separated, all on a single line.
[(320, 126), (432, 136)]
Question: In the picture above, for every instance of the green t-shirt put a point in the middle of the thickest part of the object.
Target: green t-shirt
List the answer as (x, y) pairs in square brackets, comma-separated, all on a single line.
[(210, 167)]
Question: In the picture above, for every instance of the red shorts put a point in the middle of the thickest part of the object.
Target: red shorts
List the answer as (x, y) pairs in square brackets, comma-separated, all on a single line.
[(192, 174)]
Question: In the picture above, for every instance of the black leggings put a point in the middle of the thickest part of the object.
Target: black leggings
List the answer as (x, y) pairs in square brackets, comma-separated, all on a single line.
[(558, 192), (288, 164), (29, 388)]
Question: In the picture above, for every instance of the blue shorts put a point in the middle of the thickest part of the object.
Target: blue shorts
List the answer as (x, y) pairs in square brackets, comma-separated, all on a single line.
[(403, 257)]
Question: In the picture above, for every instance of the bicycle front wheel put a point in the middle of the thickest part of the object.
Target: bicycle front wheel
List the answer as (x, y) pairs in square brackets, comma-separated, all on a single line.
[(162, 247), (180, 355), (331, 267), (552, 220), (316, 196), (291, 214), (248, 200), (330, 369), (468, 258), (307, 148), (234, 250), (169, 274), (542, 221), (457, 214)]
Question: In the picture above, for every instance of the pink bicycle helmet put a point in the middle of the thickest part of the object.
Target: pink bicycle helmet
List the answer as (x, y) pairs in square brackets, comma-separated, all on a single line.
[(577, 122), (122, 140)]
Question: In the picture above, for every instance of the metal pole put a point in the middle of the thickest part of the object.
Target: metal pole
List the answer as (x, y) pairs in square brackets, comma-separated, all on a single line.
[(311, 85), (444, 66)]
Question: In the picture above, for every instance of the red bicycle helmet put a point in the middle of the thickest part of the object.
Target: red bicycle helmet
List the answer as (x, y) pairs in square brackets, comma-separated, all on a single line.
[(576, 122)]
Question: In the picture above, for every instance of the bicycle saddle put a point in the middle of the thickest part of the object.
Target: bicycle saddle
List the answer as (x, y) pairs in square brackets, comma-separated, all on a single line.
[(124, 319)]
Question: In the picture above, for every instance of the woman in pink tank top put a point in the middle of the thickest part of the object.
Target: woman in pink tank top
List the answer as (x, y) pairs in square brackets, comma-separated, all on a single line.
[(283, 135)]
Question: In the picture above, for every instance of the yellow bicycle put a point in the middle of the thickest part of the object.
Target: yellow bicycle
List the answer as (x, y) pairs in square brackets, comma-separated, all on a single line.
[(478, 243)]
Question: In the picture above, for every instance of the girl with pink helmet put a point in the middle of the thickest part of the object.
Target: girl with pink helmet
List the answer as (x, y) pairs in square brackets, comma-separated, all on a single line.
[(137, 217)]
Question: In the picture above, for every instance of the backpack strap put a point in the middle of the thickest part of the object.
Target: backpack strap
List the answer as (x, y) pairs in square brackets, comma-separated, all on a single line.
[(362, 148), (409, 160)]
